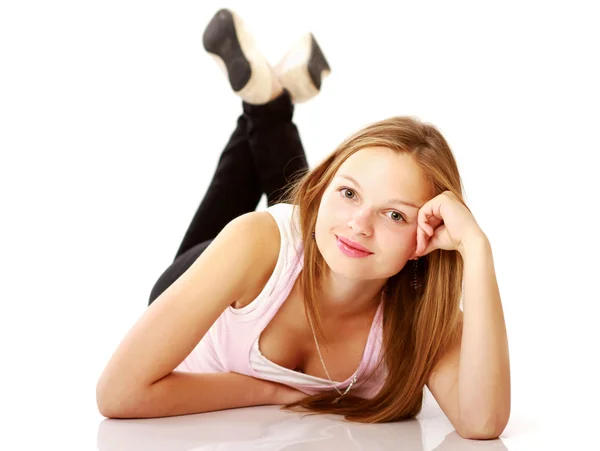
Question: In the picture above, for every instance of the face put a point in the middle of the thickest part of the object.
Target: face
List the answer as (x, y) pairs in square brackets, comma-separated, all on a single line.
[(367, 210)]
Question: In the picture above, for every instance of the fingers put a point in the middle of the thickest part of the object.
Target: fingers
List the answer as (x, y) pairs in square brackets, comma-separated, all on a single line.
[(429, 217), (422, 240), (423, 219), (425, 226)]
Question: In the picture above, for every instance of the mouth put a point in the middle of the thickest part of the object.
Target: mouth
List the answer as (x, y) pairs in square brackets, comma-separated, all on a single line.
[(352, 248)]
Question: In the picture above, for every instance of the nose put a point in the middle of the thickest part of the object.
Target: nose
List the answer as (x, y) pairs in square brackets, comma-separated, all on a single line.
[(360, 223)]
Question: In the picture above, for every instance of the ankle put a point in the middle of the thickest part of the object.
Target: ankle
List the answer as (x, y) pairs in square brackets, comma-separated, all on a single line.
[(276, 89), (280, 108)]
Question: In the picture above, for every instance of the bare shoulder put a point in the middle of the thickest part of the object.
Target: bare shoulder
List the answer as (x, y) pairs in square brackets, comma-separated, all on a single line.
[(261, 228)]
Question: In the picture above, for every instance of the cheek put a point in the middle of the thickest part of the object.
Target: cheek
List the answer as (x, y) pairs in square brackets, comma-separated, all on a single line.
[(404, 245), (332, 212), (411, 237), (332, 202)]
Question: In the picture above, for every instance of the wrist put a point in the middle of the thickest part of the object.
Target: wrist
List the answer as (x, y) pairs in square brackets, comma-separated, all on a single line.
[(270, 392), (474, 241)]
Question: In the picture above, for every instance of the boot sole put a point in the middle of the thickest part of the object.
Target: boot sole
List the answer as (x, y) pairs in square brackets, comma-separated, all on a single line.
[(221, 39), (318, 67), (303, 69), (234, 49)]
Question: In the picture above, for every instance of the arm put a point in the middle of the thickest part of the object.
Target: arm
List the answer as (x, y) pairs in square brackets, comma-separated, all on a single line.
[(472, 382), (484, 368), (180, 393), (176, 321)]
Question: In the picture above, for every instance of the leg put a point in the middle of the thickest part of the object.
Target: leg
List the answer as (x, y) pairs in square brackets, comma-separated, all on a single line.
[(233, 191), (275, 145), (263, 155), (274, 140), (176, 269)]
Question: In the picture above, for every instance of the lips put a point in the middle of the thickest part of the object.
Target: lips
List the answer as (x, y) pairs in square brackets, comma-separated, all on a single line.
[(353, 244)]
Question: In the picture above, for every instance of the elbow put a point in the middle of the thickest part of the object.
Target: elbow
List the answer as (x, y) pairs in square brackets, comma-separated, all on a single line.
[(104, 399), (108, 411), (113, 403), (105, 408), (487, 430), (108, 407), (485, 427), (479, 433), (116, 409)]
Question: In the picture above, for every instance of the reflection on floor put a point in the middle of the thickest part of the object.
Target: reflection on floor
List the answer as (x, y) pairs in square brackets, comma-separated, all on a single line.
[(268, 428)]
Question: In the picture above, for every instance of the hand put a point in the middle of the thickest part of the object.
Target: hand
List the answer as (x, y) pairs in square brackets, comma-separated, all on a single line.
[(444, 222)]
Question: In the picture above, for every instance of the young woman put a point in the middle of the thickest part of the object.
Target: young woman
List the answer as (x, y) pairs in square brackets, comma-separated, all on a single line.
[(343, 296)]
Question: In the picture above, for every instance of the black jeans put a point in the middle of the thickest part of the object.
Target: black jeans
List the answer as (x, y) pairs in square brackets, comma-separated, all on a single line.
[(263, 155)]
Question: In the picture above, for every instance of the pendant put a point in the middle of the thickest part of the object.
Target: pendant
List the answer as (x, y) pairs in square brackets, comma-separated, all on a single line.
[(336, 400)]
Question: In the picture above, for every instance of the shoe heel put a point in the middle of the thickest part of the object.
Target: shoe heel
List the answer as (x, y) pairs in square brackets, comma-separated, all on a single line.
[(231, 44), (220, 39), (303, 69), (318, 67)]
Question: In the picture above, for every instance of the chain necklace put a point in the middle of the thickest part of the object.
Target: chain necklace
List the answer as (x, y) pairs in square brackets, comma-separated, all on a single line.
[(353, 380), (325, 368)]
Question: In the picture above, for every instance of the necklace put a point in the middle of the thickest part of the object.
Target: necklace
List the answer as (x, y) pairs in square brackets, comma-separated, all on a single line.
[(353, 381), (325, 368)]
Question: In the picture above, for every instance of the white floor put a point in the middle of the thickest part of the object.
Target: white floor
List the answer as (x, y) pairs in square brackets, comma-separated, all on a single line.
[(268, 428), (112, 119), (74, 425)]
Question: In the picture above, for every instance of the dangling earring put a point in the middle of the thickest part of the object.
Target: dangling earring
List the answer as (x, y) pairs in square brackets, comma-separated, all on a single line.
[(313, 235), (416, 282)]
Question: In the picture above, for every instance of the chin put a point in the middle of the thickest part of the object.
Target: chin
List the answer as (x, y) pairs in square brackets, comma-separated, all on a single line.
[(351, 274), (351, 268)]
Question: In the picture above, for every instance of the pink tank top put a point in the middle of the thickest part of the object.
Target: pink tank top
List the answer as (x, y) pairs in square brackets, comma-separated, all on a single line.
[(231, 344)]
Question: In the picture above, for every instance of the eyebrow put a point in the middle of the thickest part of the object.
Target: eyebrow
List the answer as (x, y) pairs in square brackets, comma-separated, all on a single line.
[(392, 201)]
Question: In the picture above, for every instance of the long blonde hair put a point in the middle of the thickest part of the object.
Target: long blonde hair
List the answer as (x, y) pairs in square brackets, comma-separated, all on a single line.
[(418, 325)]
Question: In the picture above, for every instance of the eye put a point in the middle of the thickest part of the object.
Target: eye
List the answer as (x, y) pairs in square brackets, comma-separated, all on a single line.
[(345, 191), (396, 216)]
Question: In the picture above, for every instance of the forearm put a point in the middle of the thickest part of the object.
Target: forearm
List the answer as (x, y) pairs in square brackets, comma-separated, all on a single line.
[(181, 393), (484, 370)]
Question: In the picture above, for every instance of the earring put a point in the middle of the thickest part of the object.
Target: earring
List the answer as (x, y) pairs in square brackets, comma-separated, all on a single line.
[(416, 283), (313, 235)]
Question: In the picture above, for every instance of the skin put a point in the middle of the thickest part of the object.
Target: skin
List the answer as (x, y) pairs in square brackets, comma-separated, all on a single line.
[(363, 213)]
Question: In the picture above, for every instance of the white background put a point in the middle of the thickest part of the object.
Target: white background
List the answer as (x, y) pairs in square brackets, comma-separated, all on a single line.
[(112, 119)]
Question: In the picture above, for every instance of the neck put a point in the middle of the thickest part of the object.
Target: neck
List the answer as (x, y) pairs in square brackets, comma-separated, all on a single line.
[(342, 298)]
